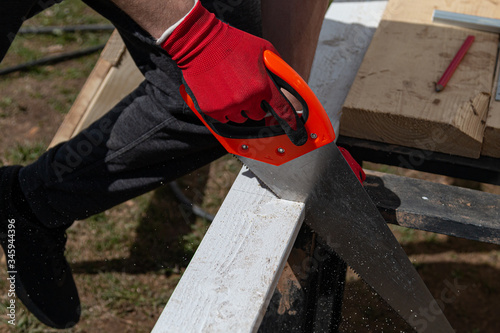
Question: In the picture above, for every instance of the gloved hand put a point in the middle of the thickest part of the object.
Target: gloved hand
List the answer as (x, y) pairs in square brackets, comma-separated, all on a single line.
[(224, 73)]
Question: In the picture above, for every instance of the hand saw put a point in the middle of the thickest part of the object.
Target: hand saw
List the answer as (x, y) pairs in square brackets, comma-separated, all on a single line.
[(337, 206)]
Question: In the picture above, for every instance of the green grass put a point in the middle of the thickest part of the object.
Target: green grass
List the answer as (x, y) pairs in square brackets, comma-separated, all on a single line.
[(25, 153), (404, 235), (191, 241), (29, 47), (69, 12), (5, 102)]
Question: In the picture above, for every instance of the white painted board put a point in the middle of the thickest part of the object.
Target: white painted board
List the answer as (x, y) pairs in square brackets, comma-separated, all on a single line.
[(346, 33), (229, 282)]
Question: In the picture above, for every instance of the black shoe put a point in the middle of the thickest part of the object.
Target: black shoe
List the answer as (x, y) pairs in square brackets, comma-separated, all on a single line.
[(35, 258)]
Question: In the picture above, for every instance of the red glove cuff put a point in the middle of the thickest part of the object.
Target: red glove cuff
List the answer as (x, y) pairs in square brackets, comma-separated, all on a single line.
[(190, 44), (358, 170)]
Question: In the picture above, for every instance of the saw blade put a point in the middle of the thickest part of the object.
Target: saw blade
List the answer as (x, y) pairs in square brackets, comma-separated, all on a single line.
[(341, 212)]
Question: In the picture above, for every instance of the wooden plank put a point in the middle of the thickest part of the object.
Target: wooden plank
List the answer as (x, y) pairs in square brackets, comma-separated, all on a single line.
[(229, 281), (79, 107), (114, 49), (344, 38), (121, 80), (113, 77), (393, 99), (214, 296), (422, 13), (434, 207), (491, 142)]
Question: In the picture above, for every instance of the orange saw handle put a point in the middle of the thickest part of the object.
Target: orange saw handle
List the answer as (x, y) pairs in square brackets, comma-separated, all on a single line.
[(269, 144)]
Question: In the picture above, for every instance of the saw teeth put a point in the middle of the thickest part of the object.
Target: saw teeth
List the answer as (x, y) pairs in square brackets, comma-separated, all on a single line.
[(241, 162), (236, 156), (261, 182)]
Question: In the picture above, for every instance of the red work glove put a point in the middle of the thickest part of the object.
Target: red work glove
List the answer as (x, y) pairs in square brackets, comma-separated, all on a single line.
[(224, 73), (358, 171)]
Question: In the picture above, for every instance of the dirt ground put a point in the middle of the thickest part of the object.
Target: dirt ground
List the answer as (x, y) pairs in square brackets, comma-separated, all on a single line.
[(149, 259)]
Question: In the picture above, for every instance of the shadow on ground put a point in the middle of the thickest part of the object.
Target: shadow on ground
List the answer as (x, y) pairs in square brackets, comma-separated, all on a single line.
[(468, 292), (166, 237)]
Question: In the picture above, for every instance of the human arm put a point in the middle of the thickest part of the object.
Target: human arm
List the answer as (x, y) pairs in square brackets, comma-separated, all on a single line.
[(155, 16), (293, 27)]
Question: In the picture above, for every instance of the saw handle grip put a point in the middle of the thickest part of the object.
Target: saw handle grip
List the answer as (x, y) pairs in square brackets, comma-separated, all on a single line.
[(270, 144)]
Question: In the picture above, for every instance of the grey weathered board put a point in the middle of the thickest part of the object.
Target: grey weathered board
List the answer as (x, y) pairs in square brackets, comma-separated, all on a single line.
[(434, 207)]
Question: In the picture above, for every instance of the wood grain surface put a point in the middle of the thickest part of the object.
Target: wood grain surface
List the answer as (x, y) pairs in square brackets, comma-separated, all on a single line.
[(393, 98)]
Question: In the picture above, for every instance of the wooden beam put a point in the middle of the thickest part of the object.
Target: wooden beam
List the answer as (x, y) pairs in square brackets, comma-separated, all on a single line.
[(229, 282), (434, 207), (491, 142), (422, 13), (121, 79), (346, 33), (113, 77), (393, 99)]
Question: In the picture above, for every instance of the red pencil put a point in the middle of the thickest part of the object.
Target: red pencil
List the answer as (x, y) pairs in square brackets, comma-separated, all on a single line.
[(454, 63)]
